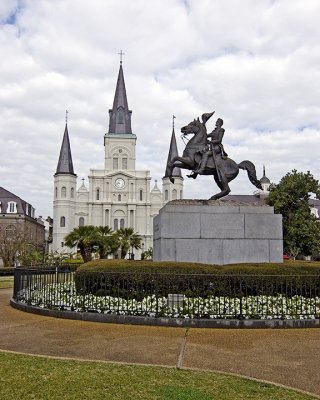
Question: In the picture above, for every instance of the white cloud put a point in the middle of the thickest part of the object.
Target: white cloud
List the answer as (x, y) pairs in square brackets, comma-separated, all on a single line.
[(254, 62), (8, 9)]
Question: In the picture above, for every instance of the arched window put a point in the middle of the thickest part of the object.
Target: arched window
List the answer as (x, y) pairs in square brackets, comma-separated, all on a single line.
[(115, 224), (124, 163), (56, 192), (121, 223), (166, 195), (81, 221), (62, 222), (10, 231), (119, 197), (63, 191), (120, 116), (98, 194), (115, 163), (174, 194), (140, 195), (72, 193)]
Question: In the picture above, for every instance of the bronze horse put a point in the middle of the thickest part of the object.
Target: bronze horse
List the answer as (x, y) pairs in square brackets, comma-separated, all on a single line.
[(224, 170)]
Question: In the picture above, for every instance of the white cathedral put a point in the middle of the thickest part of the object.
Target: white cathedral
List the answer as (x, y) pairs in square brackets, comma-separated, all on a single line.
[(118, 196)]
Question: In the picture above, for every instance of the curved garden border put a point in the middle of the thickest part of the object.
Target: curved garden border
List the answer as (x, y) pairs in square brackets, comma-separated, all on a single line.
[(173, 322), (162, 299)]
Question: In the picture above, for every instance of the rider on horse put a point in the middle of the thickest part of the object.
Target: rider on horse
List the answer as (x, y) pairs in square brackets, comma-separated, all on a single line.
[(213, 147), (220, 166)]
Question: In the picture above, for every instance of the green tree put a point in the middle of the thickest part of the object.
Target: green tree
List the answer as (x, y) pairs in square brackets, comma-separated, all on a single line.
[(148, 254), (12, 239), (56, 257), (28, 255), (83, 238), (301, 230), (106, 240), (128, 238)]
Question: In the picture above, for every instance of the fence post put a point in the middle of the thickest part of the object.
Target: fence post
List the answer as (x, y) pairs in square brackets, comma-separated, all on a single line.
[(16, 283), (157, 296), (240, 295)]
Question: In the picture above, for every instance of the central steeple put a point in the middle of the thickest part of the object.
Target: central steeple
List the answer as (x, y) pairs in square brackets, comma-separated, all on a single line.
[(119, 141), (120, 115)]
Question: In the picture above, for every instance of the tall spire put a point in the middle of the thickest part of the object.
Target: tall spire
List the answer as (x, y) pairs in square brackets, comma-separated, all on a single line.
[(173, 151), (65, 165), (120, 115)]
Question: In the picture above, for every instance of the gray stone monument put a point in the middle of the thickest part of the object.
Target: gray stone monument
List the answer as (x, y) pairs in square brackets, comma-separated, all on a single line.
[(217, 232)]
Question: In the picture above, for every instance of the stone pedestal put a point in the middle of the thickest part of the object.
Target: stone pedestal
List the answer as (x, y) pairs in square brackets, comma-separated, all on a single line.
[(217, 232)]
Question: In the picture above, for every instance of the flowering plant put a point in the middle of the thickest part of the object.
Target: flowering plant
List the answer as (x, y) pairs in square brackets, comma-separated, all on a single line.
[(65, 297)]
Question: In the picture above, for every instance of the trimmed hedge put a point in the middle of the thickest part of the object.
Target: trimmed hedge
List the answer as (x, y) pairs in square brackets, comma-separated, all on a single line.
[(138, 279), (6, 271), (288, 267)]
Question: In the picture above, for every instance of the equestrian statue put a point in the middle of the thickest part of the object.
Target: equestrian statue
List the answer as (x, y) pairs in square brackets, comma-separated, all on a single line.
[(204, 154)]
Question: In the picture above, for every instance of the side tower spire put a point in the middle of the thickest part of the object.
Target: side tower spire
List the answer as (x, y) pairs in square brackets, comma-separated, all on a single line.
[(172, 191), (120, 115), (173, 152), (65, 165), (64, 203)]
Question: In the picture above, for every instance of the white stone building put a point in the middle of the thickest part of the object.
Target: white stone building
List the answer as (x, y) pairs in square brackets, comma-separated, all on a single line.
[(119, 195)]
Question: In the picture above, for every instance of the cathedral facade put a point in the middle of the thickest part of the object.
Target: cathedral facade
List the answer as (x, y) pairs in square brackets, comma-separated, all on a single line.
[(119, 195)]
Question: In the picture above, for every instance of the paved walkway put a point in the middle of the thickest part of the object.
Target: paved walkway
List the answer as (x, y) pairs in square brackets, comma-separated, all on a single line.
[(289, 357)]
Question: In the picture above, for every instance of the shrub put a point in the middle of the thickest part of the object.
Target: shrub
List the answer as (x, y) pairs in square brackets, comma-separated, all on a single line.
[(137, 279), (6, 271)]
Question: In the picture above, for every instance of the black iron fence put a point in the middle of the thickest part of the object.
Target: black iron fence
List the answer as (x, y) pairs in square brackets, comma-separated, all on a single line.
[(171, 295)]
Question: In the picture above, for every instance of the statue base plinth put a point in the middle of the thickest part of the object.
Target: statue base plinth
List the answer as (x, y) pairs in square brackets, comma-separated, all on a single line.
[(217, 232)]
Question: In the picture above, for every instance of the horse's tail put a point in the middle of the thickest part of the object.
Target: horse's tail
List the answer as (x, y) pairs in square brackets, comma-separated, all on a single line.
[(251, 170)]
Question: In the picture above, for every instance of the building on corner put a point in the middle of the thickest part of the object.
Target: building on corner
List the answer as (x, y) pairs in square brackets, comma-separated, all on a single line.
[(18, 223)]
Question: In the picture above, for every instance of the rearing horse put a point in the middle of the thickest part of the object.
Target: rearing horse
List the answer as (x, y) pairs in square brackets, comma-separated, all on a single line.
[(223, 170)]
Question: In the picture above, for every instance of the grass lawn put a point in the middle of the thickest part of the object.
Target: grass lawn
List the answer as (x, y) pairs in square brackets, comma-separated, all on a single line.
[(26, 377), (6, 282)]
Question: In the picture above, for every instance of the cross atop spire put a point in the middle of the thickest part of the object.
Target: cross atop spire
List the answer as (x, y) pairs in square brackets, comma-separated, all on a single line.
[(121, 54), (67, 112), (173, 117)]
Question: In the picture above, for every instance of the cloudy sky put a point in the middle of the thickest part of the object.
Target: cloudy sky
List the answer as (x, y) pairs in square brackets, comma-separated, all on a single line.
[(256, 63)]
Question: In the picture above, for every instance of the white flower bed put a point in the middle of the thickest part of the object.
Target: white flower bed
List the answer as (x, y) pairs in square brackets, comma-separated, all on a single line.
[(64, 297)]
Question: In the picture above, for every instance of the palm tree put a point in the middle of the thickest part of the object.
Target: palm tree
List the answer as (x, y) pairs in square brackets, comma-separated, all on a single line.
[(128, 238), (148, 254), (82, 238), (106, 240)]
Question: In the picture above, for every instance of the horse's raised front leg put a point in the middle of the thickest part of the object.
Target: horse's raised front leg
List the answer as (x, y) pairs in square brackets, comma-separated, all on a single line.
[(181, 162), (223, 184)]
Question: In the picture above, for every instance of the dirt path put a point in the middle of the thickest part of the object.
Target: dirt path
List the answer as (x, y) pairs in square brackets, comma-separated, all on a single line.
[(290, 357)]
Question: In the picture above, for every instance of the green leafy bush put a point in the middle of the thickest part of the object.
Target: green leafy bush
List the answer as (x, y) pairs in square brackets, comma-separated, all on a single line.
[(137, 279), (6, 271)]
